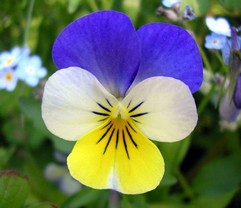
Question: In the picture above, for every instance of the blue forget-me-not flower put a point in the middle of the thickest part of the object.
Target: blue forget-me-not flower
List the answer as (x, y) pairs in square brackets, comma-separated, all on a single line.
[(17, 64)]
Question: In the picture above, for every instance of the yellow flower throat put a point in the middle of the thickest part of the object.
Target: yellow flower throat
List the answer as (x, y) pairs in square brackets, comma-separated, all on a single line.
[(119, 124)]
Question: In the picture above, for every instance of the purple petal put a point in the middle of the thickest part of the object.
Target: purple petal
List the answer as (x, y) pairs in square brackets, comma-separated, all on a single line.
[(228, 110), (237, 93), (104, 43), (168, 50)]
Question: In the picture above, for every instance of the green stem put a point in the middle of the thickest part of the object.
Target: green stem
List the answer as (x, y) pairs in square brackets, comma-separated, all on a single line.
[(28, 19), (184, 184), (205, 100), (106, 4), (205, 59), (114, 199), (10, 153), (221, 62), (92, 4), (215, 150)]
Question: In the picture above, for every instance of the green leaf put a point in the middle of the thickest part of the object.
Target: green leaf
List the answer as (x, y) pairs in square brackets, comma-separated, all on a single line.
[(213, 201), (39, 184), (14, 189), (168, 178), (217, 182), (15, 136), (62, 145), (32, 109), (132, 8), (231, 4), (219, 177), (42, 205), (5, 155), (35, 137), (167, 205), (175, 152), (133, 201), (73, 5), (82, 198), (9, 100)]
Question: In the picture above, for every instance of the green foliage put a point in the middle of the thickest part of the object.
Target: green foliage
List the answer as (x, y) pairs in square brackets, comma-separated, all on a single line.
[(231, 4), (87, 197), (13, 189)]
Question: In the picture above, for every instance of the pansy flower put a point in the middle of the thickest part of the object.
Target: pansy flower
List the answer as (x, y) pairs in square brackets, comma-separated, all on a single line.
[(116, 89)]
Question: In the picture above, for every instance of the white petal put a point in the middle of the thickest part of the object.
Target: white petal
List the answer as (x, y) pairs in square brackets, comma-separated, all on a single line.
[(219, 25), (164, 108), (70, 97)]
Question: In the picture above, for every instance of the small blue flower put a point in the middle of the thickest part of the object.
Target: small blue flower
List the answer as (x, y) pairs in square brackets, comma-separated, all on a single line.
[(215, 41), (8, 79), (188, 13), (30, 70), (59, 175), (170, 3), (219, 26), (227, 48), (10, 59), (228, 110)]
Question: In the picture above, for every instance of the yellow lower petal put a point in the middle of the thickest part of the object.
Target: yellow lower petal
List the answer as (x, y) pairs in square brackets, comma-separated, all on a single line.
[(117, 156)]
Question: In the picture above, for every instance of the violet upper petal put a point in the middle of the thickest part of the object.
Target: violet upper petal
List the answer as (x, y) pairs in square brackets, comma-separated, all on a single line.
[(228, 110), (237, 93), (106, 44), (169, 50)]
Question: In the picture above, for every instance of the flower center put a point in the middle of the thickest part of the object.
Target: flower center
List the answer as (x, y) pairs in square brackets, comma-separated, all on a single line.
[(118, 131), (8, 77), (30, 70), (9, 61), (215, 41), (119, 112), (119, 124)]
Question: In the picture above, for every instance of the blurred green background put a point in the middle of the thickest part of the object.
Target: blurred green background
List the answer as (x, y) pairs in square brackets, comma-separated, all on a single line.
[(204, 170)]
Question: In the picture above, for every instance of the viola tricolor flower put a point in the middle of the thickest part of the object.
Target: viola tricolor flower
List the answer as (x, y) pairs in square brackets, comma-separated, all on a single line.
[(116, 89)]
